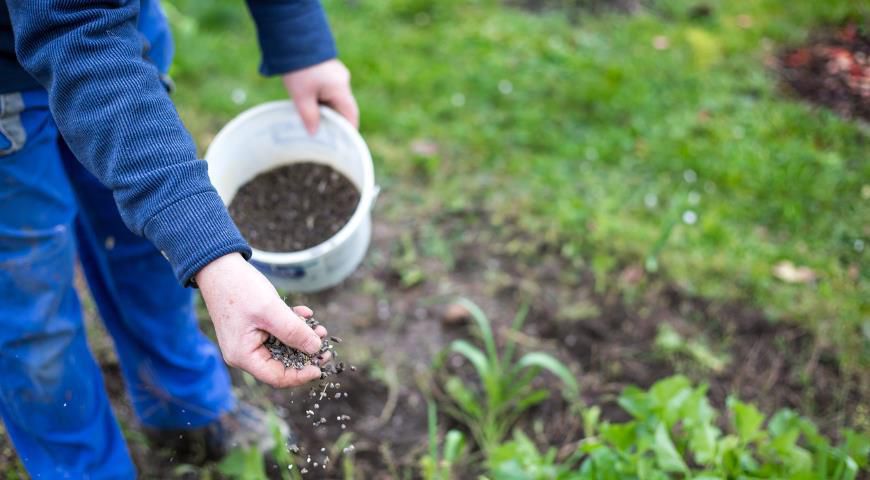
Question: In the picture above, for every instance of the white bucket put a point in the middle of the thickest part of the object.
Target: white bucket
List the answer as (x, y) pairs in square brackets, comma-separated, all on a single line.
[(272, 135)]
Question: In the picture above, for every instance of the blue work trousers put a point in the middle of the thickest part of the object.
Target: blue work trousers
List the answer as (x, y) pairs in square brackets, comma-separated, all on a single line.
[(52, 398)]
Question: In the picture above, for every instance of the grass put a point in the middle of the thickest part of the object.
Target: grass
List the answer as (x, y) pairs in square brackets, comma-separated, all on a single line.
[(687, 160)]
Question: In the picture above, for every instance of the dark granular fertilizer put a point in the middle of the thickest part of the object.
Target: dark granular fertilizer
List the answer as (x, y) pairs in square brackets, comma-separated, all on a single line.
[(292, 358), (294, 207)]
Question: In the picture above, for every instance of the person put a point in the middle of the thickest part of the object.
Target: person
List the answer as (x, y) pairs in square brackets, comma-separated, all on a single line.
[(96, 164)]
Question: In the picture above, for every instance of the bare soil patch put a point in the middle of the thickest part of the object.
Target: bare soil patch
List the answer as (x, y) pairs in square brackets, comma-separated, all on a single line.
[(832, 69)]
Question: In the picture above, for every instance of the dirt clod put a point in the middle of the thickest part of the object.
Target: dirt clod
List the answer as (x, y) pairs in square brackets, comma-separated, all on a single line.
[(455, 314), (294, 207)]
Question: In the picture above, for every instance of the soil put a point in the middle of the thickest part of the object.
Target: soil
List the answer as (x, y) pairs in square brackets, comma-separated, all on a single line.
[(833, 70), (294, 207), (603, 328)]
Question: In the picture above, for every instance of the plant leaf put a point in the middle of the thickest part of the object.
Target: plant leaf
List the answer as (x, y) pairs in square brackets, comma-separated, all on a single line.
[(483, 325), (488, 376), (636, 402), (533, 398), (554, 366), (463, 397), (520, 317), (857, 445), (667, 456), (454, 444), (746, 418)]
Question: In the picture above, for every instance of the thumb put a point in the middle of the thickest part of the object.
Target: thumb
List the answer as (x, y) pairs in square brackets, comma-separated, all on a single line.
[(309, 110), (291, 329)]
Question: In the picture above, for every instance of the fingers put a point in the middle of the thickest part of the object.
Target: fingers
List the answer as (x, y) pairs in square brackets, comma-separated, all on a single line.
[(290, 329), (324, 359), (344, 103), (306, 313), (306, 104), (303, 311), (263, 368)]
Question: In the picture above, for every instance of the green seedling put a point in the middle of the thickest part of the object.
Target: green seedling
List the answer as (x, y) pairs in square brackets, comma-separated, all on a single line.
[(674, 433), (440, 464), (504, 389), (670, 342)]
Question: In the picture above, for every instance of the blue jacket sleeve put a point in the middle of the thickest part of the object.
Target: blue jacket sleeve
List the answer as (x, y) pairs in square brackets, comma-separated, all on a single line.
[(118, 120), (293, 34)]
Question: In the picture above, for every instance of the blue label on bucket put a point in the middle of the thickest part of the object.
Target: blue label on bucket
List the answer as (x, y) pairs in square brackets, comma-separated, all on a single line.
[(285, 271)]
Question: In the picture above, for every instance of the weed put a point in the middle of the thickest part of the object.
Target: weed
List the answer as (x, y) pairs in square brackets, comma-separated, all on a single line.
[(506, 383), (439, 464)]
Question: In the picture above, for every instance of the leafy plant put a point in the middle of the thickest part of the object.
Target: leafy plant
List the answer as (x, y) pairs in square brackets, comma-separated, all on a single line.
[(244, 464), (247, 463), (670, 342), (506, 384), (439, 465), (673, 434), (520, 459)]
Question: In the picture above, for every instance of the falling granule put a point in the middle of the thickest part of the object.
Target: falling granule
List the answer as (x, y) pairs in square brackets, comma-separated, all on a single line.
[(337, 395), (303, 471)]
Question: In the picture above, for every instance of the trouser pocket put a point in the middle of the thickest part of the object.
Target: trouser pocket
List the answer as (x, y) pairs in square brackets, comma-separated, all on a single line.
[(12, 133)]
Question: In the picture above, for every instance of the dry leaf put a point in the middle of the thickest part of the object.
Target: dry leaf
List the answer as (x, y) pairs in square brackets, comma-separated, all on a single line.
[(789, 273)]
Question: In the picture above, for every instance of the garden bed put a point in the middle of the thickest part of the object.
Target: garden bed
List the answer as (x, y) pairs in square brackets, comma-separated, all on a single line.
[(392, 312), (613, 332)]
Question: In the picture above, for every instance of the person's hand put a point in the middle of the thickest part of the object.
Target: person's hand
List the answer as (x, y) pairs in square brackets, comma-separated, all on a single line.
[(326, 83), (245, 309)]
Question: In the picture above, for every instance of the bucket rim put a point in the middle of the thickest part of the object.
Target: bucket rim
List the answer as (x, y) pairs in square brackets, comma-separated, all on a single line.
[(368, 189)]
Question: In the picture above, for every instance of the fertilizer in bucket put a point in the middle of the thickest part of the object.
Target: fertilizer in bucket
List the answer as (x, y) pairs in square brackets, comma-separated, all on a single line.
[(294, 207), (302, 201)]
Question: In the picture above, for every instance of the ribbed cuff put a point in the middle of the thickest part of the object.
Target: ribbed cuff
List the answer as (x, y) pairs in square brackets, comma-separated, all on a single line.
[(193, 232), (292, 35)]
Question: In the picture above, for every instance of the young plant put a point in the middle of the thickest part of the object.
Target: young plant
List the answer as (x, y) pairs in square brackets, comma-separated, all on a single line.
[(519, 459), (439, 465), (674, 433), (491, 406), (248, 463)]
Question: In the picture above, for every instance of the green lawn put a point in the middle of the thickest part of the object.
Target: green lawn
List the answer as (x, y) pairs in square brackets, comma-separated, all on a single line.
[(688, 159)]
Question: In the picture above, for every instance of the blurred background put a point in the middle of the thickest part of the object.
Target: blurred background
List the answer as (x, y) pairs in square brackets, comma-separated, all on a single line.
[(658, 187)]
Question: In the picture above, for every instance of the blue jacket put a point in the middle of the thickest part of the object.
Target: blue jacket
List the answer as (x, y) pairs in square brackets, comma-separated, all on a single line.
[(100, 63)]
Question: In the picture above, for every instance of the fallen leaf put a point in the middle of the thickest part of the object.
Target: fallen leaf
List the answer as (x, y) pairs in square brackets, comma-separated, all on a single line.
[(789, 273)]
